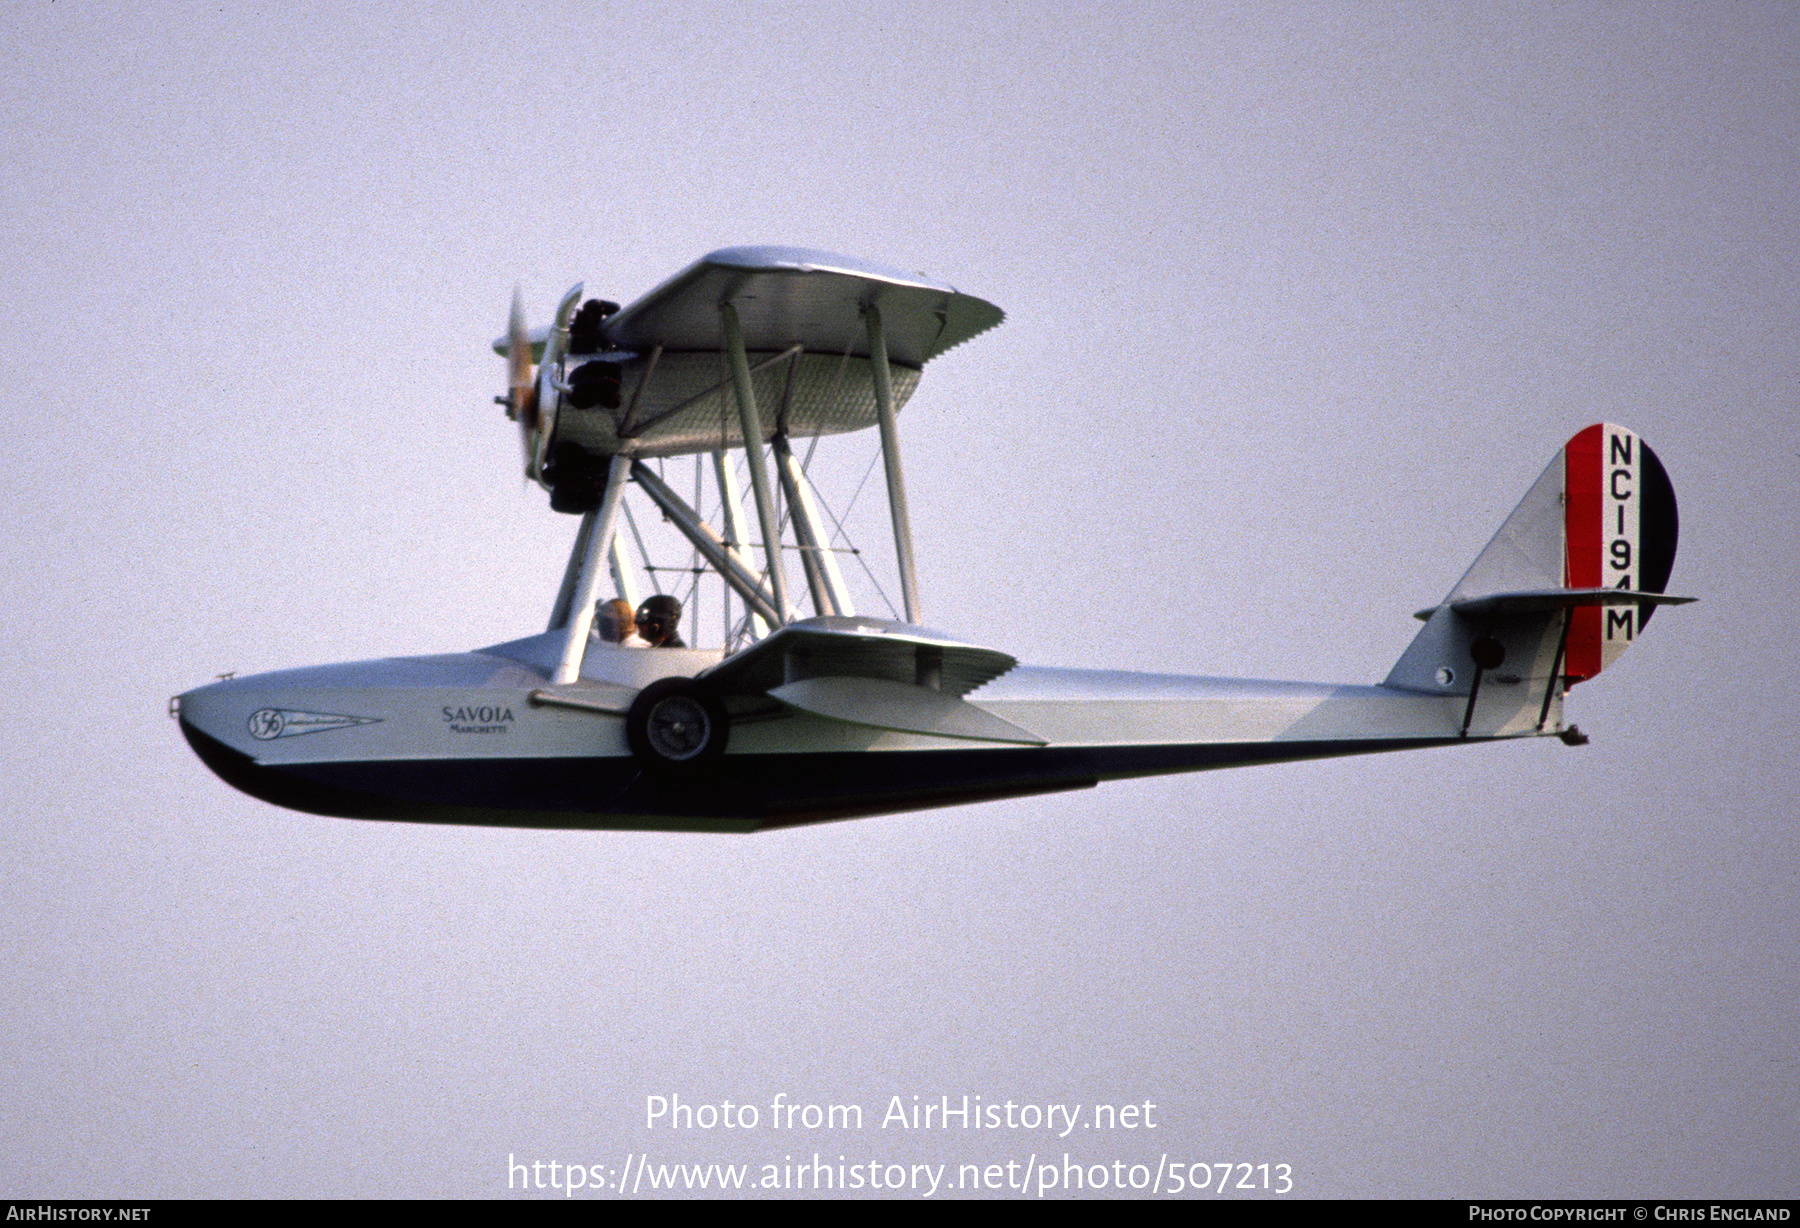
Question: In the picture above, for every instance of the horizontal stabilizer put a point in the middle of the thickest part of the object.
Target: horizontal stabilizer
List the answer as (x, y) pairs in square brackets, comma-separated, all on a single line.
[(1543, 600), (901, 707)]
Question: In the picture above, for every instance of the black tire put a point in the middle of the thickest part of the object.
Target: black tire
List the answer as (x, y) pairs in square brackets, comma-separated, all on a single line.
[(676, 723)]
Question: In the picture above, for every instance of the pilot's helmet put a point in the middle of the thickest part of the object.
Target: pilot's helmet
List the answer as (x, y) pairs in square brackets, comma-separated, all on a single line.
[(661, 612)]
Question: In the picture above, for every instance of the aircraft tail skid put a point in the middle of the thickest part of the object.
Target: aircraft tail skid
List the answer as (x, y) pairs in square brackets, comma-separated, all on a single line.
[(1565, 586)]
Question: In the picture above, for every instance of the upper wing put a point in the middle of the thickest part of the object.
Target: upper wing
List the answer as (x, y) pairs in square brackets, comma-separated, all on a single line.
[(802, 316), (787, 296)]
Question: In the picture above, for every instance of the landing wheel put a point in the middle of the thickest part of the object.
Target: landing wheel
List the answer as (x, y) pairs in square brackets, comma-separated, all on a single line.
[(675, 722)]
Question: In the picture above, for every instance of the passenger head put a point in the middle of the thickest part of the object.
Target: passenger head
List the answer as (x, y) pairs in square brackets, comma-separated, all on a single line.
[(614, 620), (657, 618)]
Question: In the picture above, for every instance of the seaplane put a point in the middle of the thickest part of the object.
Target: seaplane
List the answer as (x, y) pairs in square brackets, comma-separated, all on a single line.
[(810, 708)]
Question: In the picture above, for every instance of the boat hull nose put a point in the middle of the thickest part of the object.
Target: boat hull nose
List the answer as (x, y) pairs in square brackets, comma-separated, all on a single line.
[(281, 788)]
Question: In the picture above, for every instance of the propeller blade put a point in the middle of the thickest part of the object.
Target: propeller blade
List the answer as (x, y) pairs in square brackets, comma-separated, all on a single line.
[(521, 386)]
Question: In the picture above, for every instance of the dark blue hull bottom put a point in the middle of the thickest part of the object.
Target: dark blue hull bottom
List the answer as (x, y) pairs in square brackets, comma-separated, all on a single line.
[(736, 793)]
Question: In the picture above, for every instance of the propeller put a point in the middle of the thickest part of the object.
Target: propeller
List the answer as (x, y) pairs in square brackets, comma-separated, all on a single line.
[(532, 396), (521, 398)]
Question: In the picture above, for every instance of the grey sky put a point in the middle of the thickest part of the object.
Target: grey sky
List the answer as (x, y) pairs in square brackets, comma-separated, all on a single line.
[(1300, 299)]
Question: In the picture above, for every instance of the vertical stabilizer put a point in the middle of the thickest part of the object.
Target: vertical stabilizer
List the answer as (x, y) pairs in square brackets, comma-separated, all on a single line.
[(1560, 591)]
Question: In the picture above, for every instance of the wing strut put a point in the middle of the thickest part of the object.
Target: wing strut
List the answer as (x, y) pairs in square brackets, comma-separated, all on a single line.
[(751, 424), (621, 572), (822, 574), (890, 455), (723, 559), (733, 514), (565, 595), (593, 566), (1562, 648)]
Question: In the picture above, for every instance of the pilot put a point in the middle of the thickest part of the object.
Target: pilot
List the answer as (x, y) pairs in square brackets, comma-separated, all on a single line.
[(615, 624), (656, 621)]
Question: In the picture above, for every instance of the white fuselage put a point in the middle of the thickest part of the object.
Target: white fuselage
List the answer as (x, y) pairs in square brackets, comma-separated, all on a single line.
[(485, 737)]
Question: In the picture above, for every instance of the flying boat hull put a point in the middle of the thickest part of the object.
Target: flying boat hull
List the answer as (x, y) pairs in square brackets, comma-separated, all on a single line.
[(485, 738)]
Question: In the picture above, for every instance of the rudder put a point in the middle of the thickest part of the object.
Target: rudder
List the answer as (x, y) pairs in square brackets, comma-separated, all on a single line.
[(1621, 529)]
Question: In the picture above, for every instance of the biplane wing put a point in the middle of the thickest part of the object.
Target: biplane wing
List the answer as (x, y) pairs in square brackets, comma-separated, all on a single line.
[(874, 673), (860, 648), (789, 296), (746, 347), (659, 371)]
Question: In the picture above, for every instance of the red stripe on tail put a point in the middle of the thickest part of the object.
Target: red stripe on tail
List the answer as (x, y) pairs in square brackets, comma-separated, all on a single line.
[(1583, 499)]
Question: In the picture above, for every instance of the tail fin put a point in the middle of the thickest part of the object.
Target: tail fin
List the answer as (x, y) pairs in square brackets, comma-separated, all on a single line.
[(1560, 592)]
